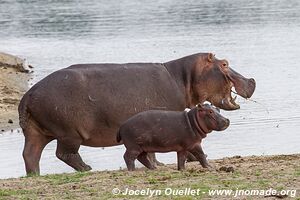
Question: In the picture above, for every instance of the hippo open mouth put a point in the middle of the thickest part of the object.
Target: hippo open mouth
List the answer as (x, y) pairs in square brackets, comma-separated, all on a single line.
[(239, 86), (228, 103)]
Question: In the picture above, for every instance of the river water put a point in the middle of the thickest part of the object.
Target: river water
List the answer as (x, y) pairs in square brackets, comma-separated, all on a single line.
[(259, 38)]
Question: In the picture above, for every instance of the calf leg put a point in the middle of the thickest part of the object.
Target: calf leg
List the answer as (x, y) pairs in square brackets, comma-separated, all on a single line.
[(181, 158), (191, 157), (153, 160), (35, 142), (129, 157), (145, 161), (197, 151), (67, 151)]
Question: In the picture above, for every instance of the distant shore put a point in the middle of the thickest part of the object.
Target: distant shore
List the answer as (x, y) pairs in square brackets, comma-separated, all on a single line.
[(237, 174), (13, 84)]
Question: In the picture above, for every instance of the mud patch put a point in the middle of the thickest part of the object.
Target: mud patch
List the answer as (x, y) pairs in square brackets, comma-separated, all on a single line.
[(13, 84)]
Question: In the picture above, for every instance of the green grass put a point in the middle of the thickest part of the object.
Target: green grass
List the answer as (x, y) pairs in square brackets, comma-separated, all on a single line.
[(58, 179), (297, 172), (258, 172), (19, 192)]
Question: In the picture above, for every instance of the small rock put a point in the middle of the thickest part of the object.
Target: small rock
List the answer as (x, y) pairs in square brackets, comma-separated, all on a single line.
[(74, 187), (227, 169), (237, 156), (10, 121)]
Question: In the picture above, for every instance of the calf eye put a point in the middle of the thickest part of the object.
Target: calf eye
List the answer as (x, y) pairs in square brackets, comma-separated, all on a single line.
[(210, 112)]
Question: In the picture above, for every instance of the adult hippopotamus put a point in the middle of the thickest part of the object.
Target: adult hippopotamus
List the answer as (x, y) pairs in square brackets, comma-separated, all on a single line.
[(85, 104), (165, 131)]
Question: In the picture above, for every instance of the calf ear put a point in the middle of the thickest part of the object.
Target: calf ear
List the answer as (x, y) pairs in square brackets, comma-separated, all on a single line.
[(210, 57)]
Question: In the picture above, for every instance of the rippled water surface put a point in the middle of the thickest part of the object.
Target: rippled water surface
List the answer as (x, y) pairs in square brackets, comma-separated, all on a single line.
[(259, 38)]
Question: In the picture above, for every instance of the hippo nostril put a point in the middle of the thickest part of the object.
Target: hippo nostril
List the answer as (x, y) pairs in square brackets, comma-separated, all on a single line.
[(227, 122), (252, 85), (252, 81)]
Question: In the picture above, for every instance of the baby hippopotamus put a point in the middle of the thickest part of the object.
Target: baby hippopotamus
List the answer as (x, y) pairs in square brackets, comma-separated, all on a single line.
[(164, 131)]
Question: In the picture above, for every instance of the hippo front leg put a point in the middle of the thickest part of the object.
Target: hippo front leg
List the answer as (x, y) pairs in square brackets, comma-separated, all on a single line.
[(191, 157), (199, 154), (181, 158)]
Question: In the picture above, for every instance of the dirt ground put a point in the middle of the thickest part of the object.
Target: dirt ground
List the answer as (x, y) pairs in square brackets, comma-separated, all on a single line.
[(13, 85), (242, 174)]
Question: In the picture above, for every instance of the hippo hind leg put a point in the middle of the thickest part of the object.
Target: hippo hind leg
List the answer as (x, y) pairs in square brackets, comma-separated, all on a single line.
[(67, 151), (129, 157), (153, 160), (143, 158), (35, 142)]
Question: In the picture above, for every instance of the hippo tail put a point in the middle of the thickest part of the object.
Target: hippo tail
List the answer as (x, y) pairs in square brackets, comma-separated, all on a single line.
[(119, 138), (23, 113)]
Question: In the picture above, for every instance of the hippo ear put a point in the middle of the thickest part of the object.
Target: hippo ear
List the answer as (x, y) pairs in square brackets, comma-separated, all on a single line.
[(210, 57), (199, 105)]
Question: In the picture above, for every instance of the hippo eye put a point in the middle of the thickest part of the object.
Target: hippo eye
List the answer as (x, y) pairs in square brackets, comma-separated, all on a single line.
[(210, 112), (224, 64)]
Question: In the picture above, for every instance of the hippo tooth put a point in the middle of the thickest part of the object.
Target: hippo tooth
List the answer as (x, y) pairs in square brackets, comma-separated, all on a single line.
[(234, 98), (187, 109), (207, 102), (233, 90)]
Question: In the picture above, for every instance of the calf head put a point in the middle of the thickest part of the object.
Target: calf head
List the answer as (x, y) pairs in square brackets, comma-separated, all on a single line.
[(209, 118)]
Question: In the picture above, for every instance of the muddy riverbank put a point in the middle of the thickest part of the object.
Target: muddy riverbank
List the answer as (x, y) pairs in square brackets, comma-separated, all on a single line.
[(259, 173), (13, 84)]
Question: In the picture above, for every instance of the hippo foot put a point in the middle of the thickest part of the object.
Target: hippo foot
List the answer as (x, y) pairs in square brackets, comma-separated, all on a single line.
[(152, 168), (193, 158), (32, 174), (153, 160), (210, 167), (157, 163), (84, 168), (205, 164), (74, 160), (144, 159)]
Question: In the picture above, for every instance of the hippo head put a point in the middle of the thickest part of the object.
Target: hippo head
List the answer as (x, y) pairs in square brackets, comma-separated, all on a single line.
[(214, 81), (209, 118)]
